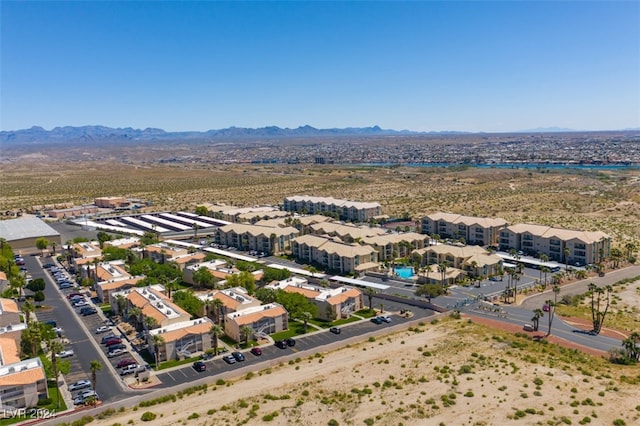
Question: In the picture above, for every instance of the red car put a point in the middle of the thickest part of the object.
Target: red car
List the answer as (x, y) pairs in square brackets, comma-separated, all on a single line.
[(113, 341), (124, 362), (256, 351)]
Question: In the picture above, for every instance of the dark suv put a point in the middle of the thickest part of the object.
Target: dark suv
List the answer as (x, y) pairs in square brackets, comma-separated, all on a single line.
[(281, 344), (291, 342)]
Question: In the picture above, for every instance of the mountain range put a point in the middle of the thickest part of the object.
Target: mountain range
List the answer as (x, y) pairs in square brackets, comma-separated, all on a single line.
[(69, 133)]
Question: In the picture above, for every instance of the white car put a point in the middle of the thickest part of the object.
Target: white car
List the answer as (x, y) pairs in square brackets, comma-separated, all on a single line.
[(80, 303), (79, 385), (115, 352), (84, 396), (65, 354), (103, 329)]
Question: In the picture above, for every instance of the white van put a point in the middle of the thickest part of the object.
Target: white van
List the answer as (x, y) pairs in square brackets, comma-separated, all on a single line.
[(527, 327)]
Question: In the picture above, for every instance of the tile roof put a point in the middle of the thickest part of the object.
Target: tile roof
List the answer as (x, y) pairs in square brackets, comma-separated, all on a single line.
[(333, 247), (256, 230), (193, 327), (9, 305), (543, 231), (23, 377), (251, 317), (485, 222)]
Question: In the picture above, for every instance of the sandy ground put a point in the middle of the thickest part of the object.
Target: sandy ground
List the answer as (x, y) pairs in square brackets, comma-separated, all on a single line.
[(454, 372)]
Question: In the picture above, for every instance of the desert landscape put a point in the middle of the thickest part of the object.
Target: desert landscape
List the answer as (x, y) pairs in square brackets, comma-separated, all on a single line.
[(445, 372)]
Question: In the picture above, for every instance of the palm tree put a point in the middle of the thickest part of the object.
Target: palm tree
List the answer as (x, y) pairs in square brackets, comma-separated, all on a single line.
[(537, 314), (53, 248), (246, 332), (94, 367), (566, 252), (370, 292), (305, 316), (134, 312), (55, 346), (552, 308), (442, 268), (149, 323), (218, 309), (157, 341), (216, 331), (545, 270), (28, 308), (121, 303), (632, 346)]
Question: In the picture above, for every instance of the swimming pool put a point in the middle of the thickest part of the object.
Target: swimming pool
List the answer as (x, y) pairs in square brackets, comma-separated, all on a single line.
[(405, 272)]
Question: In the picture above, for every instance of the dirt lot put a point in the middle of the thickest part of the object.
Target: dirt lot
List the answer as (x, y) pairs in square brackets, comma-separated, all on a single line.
[(454, 372)]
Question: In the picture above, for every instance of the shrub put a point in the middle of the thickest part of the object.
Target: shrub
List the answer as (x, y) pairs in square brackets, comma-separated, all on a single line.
[(44, 401), (619, 422), (333, 422), (148, 416)]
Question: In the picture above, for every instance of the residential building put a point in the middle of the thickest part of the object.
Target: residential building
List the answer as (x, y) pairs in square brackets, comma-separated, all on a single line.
[(231, 300), (123, 243), (161, 252), (333, 255), (394, 245), (332, 303), (81, 255), (217, 267), (560, 245), (153, 303), (272, 240), (181, 339), (474, 230), (264, 319), (456, 261), (343, 209), (346, 232), (22, 382), (104, 289)]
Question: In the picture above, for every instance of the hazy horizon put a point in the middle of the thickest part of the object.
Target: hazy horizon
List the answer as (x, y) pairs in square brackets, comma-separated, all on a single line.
[(419, 66)]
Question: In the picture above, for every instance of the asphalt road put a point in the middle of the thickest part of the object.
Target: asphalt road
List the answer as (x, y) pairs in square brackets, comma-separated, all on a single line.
[(109, 386)]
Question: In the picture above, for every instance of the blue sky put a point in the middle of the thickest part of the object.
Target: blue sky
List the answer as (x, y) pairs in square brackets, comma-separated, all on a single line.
[(471, 66)]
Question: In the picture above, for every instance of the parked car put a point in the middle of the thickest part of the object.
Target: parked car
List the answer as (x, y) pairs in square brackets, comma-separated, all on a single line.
[(52, 323), (335, 330), (229, 359), (103, 329), (107, 337), (256, 351), (85, 396), (124, 362), (80, 303), (66, 284), (74, 295), (79, 385), (545, 307), (199, 366), (88, 310), (290, 342), (376, 320), (112, 341), (239, 356), (115, 352), (527, 327), (117, 346), (281, 344), (386, 318), (48, 265), (65, 354), (129, 369)]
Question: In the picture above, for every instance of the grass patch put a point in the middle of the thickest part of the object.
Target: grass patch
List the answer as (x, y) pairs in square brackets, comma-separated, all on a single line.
[(295, 329)]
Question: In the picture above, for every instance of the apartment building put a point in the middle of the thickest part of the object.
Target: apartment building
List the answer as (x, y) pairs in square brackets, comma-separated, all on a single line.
[(181, 339), (344, 209), (22, 382), (467, 260), (83, 254), (263, 320), (346, 232), (390, 246), (333, 255), (161, 252), (561, 245), (152, 302), (481, 231), (267, 239), (104, 289), (231, 300), (332, 303)]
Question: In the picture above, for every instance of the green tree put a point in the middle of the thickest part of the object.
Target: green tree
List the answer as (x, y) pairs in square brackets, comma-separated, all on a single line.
[(537, 314), (429, 291), (295, 304), (600, 301), (55, 346), (246, 332), (28, 308), (266, 295), (216, 331), (203, 277), (202, 211), (243, 279), (370, 292), (631, 347), (158, 340), (305, 317), (189, 302), (42, 243), (94, 367)]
